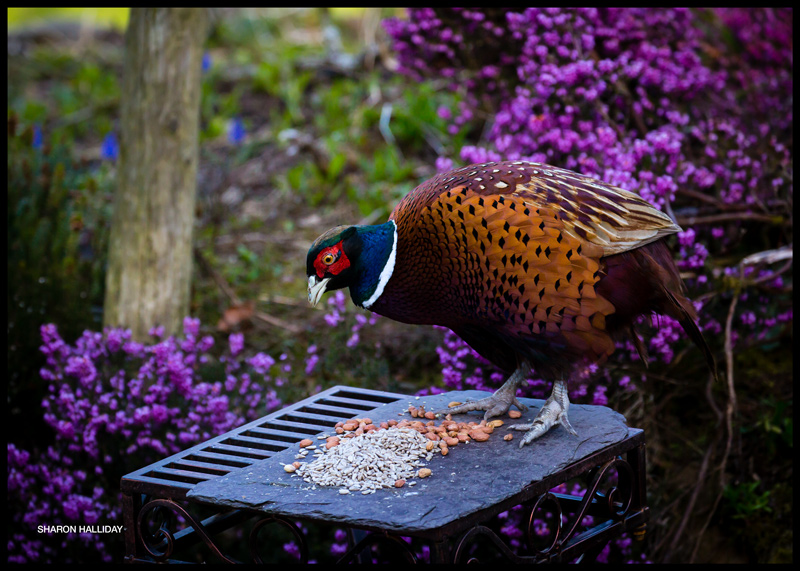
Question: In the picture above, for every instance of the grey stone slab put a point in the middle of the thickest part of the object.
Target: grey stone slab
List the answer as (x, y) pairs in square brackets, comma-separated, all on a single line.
[(472, 477)]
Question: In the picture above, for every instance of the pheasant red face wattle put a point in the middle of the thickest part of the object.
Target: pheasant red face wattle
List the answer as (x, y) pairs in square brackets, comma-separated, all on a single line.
[(331, 260)]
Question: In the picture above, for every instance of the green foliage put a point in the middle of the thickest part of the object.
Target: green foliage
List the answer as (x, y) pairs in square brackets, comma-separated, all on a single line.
[(114, 17), (743, 500), (365, 130), (759, 518), (80, 100), (774, 428), (358, 134), (248, 268), (58, 213)]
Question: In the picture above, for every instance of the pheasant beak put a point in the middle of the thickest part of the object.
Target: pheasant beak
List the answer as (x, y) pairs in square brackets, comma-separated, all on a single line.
[(316, 287)]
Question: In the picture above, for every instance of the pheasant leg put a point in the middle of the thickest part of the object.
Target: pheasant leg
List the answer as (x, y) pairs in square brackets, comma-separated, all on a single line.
[(500, 401), (553, 412)]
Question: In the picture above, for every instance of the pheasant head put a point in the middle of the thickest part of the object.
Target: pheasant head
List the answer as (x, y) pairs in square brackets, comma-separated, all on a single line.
[(359, 257)]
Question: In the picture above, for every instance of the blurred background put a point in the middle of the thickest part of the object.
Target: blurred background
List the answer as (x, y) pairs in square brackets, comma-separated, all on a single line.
[(310, 118)]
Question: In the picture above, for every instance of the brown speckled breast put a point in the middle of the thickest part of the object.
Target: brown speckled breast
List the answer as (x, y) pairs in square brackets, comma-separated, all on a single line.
[(509, 255)]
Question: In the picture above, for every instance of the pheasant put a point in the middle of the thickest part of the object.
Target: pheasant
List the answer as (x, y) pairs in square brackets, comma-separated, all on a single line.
[(534, 266)]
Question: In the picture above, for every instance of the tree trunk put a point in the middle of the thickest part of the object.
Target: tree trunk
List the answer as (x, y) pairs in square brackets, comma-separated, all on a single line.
[(150, 244)]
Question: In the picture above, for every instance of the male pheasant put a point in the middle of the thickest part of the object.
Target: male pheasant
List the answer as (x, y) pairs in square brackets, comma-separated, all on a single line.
[(532, 265)]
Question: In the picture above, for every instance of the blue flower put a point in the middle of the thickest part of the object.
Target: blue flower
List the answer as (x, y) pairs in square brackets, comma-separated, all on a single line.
[(37, 137), (109, 149), (236, 131), (206, 65)]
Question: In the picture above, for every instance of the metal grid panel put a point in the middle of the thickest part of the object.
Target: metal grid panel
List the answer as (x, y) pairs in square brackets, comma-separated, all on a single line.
[(255, 441)]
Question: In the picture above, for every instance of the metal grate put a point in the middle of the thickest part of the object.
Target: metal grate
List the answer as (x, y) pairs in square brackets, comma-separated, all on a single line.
[(263, 438)]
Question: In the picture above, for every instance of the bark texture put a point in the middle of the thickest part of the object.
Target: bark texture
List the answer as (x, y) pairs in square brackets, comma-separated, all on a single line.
[(150, 251)]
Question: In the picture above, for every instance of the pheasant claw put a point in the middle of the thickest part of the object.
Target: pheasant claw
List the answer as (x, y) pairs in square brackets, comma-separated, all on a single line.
[(499, 403), (553, 412)]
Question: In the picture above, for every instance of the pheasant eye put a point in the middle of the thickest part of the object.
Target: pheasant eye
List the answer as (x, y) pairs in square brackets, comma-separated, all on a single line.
[(331, 260)]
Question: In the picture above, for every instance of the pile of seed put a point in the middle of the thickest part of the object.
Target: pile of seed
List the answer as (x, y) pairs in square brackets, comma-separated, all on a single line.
[(365, 457), (370, 461)]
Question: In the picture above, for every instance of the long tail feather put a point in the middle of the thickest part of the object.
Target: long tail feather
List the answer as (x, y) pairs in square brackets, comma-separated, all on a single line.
[(640, 348), (686, 316)]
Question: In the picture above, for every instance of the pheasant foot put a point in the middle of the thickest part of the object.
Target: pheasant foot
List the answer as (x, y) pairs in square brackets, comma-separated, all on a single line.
[(553, 412), (499, 403)]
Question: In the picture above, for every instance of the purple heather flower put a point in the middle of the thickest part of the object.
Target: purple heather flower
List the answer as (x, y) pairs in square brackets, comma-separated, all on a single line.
[(262, 363), (205, 343), (338, 300), (333, 318), (311, 363), (81, 367), (191, 326), (599, 396), (443, 164), (236, 343)]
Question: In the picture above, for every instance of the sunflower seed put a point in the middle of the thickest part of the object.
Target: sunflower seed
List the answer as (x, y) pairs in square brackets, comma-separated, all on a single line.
[(369, 461)]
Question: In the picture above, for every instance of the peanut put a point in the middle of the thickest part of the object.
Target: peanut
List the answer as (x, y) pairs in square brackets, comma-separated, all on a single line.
[(478, 435)]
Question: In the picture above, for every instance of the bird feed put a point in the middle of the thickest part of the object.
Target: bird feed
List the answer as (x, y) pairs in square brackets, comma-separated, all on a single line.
[(364, 457)]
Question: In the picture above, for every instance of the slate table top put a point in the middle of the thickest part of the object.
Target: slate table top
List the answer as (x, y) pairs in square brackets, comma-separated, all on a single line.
[(472, 477)]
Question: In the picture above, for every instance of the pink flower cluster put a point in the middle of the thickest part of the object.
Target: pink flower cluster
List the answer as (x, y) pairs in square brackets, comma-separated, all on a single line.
[(110, 397), (670, 103)]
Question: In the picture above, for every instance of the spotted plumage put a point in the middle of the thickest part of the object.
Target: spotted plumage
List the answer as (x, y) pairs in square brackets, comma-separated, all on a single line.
[(530, 264)]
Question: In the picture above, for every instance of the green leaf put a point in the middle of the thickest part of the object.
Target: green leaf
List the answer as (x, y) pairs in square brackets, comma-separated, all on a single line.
[(335, 166)]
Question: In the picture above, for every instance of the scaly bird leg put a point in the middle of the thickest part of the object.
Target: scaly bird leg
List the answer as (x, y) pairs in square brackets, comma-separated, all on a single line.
[(553, 412), (500, 401)]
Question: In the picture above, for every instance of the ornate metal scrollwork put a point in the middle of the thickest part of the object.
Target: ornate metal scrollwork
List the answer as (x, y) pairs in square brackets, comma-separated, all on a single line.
[(607, 500), (480, 530), (530, 531), (298, 535), (377, 539), (611, 505), (161, 543)]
